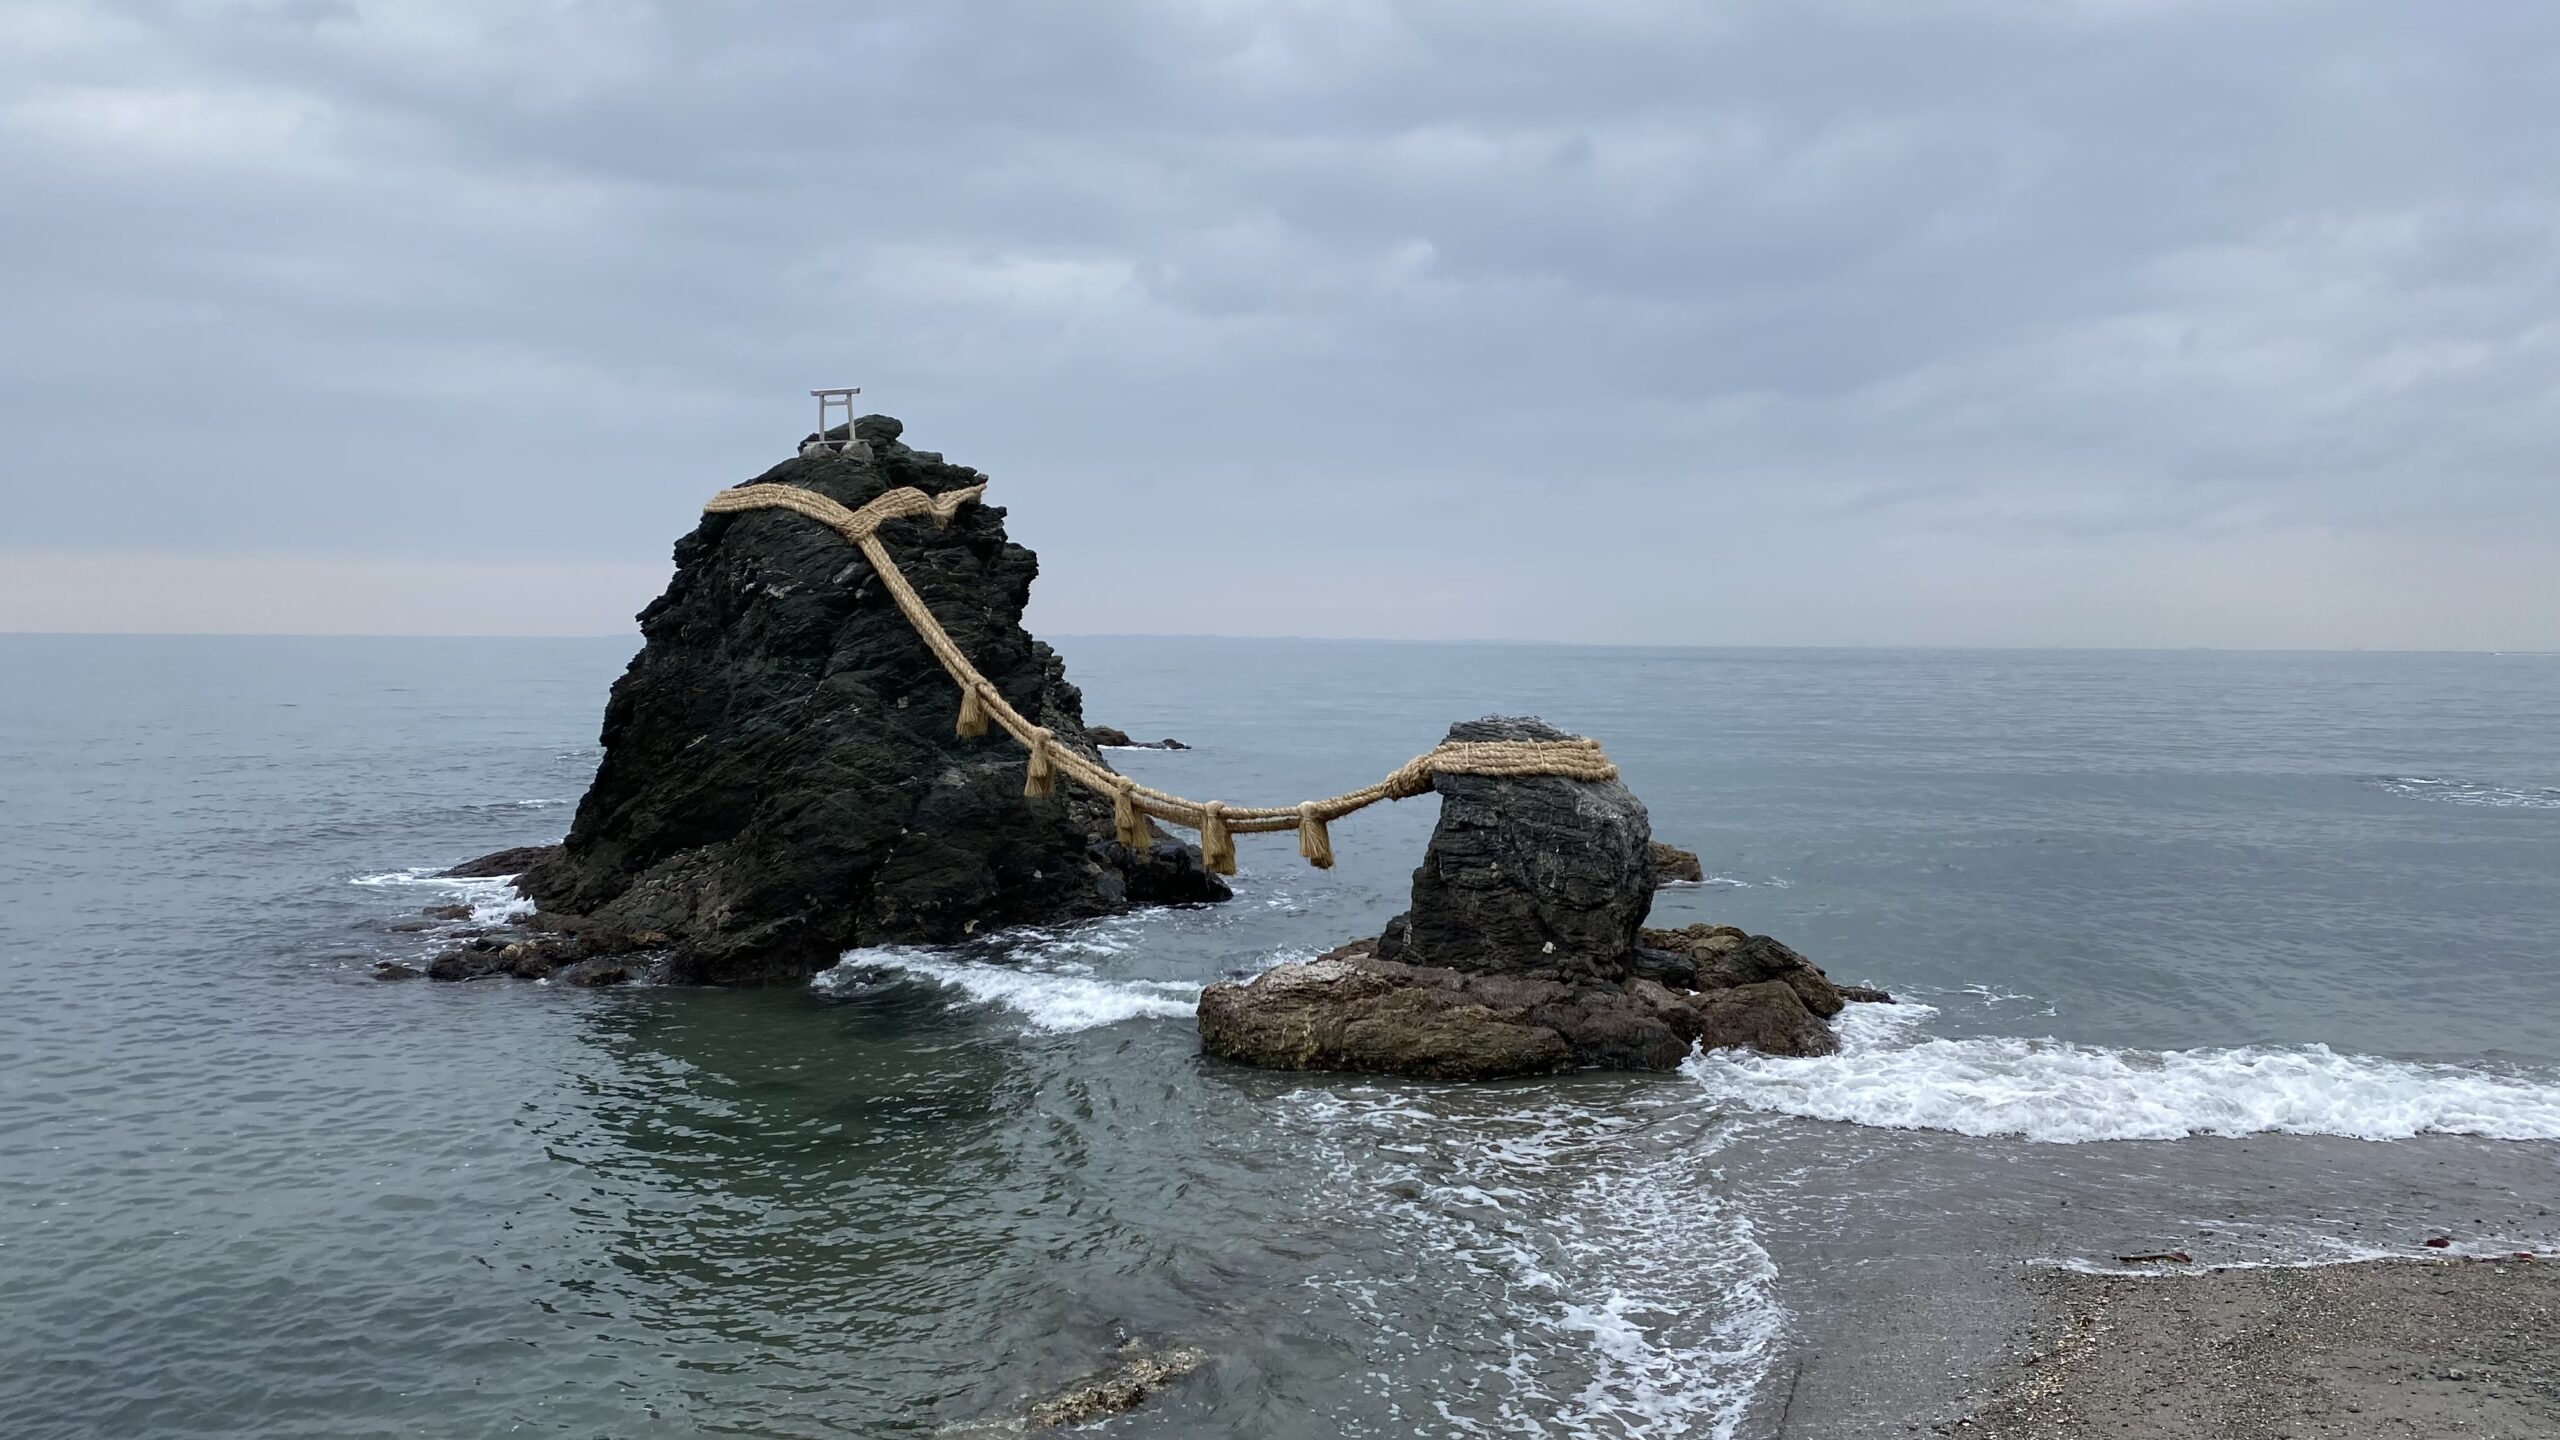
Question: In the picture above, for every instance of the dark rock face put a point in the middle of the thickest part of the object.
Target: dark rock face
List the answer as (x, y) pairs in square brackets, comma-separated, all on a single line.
[(503, 862), (781, 777), (1525, 953), (1539, 875), (1722, 957)]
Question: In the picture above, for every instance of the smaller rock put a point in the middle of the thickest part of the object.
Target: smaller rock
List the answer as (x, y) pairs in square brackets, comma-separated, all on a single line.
[(602, 970), (527, 960), (1116, 738), (394, 970), (1769, 1017), (464, 964), (1863, 994), (447, 912), (1758, 958), (1672, 865)]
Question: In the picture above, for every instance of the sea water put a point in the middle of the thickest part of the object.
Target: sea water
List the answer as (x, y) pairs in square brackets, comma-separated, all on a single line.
[(2248, 955)]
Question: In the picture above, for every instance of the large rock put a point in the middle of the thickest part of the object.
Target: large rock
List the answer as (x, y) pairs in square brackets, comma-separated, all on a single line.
[(781, 777), (1538, 875)]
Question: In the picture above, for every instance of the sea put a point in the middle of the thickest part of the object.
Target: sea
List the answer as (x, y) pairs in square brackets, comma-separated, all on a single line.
[(2252, 957)]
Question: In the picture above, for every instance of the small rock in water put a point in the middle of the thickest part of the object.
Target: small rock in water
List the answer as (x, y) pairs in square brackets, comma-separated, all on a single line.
[(599, 971), (394, 970), (1672, 865), (1136, 1372), (1114, 737), (447, 912)]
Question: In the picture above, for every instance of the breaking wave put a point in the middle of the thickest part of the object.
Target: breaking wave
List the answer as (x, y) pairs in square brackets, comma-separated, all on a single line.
[(1049, 993), (1620, 1294), (493, 900), (1889, 1076), (2467, 792)]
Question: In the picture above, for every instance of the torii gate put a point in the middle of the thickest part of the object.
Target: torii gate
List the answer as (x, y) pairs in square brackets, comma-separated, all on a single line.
[(828, 400)]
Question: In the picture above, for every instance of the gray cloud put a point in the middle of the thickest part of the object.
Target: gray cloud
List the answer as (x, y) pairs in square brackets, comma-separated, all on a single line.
[(1989, 321)]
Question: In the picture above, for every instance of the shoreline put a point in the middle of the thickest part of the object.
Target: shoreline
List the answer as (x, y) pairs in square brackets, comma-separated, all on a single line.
[(2467, 1346)]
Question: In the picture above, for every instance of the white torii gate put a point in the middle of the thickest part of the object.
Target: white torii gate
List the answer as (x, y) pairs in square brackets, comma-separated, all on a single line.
[(828, 400)]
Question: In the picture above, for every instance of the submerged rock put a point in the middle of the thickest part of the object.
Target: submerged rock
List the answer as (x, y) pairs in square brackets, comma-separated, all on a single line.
[(1137, 1370), (1525, 952), (781, 777)]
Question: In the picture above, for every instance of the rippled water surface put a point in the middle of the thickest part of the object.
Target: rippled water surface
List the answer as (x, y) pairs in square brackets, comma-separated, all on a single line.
[(2250, 955)]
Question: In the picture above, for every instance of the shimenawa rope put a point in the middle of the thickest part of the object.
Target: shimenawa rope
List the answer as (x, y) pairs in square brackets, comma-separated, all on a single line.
[(1131, 803)]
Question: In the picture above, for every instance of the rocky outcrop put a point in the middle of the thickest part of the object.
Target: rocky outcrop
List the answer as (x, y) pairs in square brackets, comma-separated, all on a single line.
[(1353, 1011), (1136, 1371), (1535, 875), (1525, 952), (1673, 865), (781, 776), (1114, 738)]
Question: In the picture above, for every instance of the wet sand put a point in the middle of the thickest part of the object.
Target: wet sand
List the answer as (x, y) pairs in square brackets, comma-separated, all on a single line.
[(2385, 1348)]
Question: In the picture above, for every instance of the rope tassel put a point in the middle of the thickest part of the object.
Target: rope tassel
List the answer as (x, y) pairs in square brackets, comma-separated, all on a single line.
[(973, 710), (1315, 842), (1127, 825), (1040, 773), (1217, 843)]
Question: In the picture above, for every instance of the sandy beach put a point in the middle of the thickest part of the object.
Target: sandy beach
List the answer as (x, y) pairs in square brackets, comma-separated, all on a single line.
[(2386, 1348)]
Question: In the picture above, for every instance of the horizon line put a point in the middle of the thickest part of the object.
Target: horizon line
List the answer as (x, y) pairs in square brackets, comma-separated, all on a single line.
[(1359, 640)]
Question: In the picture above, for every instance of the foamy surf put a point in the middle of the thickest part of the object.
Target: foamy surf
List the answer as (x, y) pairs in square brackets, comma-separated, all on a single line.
[(1048, 994), (1611, 1291), (2470, 792), (1889, 1076), (493, 899)]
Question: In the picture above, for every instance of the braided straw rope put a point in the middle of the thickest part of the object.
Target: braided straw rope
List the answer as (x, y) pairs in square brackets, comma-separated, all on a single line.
[(1217, 821)]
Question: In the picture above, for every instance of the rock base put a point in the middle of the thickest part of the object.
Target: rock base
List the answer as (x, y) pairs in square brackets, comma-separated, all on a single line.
[(1352, 1011)]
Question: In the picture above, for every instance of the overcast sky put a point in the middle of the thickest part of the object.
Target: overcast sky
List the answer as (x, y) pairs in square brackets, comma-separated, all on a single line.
[(2116, 322)]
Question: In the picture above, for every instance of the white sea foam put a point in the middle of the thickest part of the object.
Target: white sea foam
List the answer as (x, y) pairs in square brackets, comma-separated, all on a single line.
[(2470, 792), (493, 899), (1049, 993), (1889, 1075), (1612, 1291), (1730, 882)]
